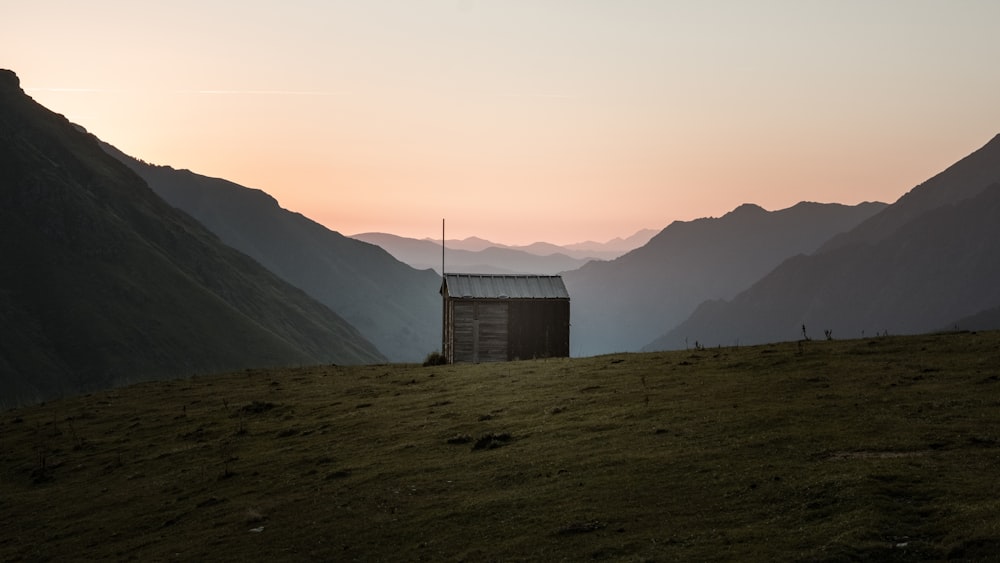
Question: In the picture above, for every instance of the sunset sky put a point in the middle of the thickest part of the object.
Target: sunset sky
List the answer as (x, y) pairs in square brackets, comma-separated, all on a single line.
[(525, 120)]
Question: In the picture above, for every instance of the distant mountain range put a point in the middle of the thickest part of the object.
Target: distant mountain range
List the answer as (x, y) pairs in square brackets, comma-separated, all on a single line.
[(474, 255), (485, 259), (614, 247), (393, 305), (103, 283), (617, 305), (930, 261), (587, 250)]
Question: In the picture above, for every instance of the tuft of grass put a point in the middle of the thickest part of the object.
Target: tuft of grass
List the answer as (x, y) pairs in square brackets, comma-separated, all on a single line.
[(841, 450), (257, 407), (460, 439), (253, 516), (435, 359), (491, 441)]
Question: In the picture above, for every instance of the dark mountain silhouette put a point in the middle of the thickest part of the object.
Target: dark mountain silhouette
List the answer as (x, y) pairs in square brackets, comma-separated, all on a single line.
[(962, 180), (489, 260), (393, 305), (928, 262), (617, 305), (988, 319), (103, 283)]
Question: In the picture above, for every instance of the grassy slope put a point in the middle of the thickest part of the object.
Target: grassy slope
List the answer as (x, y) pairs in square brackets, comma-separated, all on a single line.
[(881, 449)]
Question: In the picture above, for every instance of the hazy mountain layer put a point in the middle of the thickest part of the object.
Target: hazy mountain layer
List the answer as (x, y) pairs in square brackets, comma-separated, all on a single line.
[(617, 305), (395, 306), (586, 250), (488, 260), (103, 283), (928, 262), (617, 245)]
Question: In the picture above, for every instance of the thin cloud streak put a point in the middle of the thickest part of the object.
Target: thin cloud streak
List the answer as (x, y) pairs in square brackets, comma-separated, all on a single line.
[(320, 93), (200, 92), (74, 90), (259, 92)]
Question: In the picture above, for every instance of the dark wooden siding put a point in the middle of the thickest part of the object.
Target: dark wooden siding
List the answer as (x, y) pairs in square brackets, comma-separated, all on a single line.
[(478, 331), (538, 328), (462, 330), (496, 330), (492, 331)]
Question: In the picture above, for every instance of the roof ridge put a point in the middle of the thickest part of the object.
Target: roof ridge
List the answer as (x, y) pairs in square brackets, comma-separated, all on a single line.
[(503, 275)]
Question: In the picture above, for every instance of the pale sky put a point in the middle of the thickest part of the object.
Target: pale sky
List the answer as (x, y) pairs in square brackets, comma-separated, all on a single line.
[(529, 120)]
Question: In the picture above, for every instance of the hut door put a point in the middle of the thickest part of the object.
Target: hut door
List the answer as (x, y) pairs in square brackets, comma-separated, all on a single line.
[(480, 331)]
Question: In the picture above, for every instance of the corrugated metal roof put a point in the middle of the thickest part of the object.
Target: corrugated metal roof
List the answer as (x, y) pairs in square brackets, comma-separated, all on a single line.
[(503, 286)]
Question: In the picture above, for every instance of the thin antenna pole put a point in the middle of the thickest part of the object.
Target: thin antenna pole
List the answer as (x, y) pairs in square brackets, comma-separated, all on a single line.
[(444, 300)]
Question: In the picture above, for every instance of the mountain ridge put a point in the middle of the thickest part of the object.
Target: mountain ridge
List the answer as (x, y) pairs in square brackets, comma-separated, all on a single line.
[(393, 305), (964, 179), (424, 254), (619, 303), (585, 250), (106, 284), (929, 264)]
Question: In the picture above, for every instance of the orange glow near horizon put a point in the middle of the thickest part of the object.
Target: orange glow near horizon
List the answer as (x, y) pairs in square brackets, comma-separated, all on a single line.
[(521, 122)]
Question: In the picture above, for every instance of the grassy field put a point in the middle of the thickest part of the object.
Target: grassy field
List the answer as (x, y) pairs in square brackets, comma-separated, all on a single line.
[(878, 449)]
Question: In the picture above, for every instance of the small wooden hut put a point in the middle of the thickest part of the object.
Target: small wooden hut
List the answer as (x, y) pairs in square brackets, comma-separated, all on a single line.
[(495, 318)]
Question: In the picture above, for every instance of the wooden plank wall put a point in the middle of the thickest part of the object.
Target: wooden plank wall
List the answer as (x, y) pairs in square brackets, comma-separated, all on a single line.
[(462, 330), (492, 331), (496, 331), (539, 328)]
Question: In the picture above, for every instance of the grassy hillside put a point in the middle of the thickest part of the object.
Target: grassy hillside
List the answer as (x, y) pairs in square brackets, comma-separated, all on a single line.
[(876, 449)]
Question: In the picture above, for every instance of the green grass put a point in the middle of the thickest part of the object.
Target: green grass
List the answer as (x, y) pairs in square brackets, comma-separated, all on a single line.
[(876, 449)]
